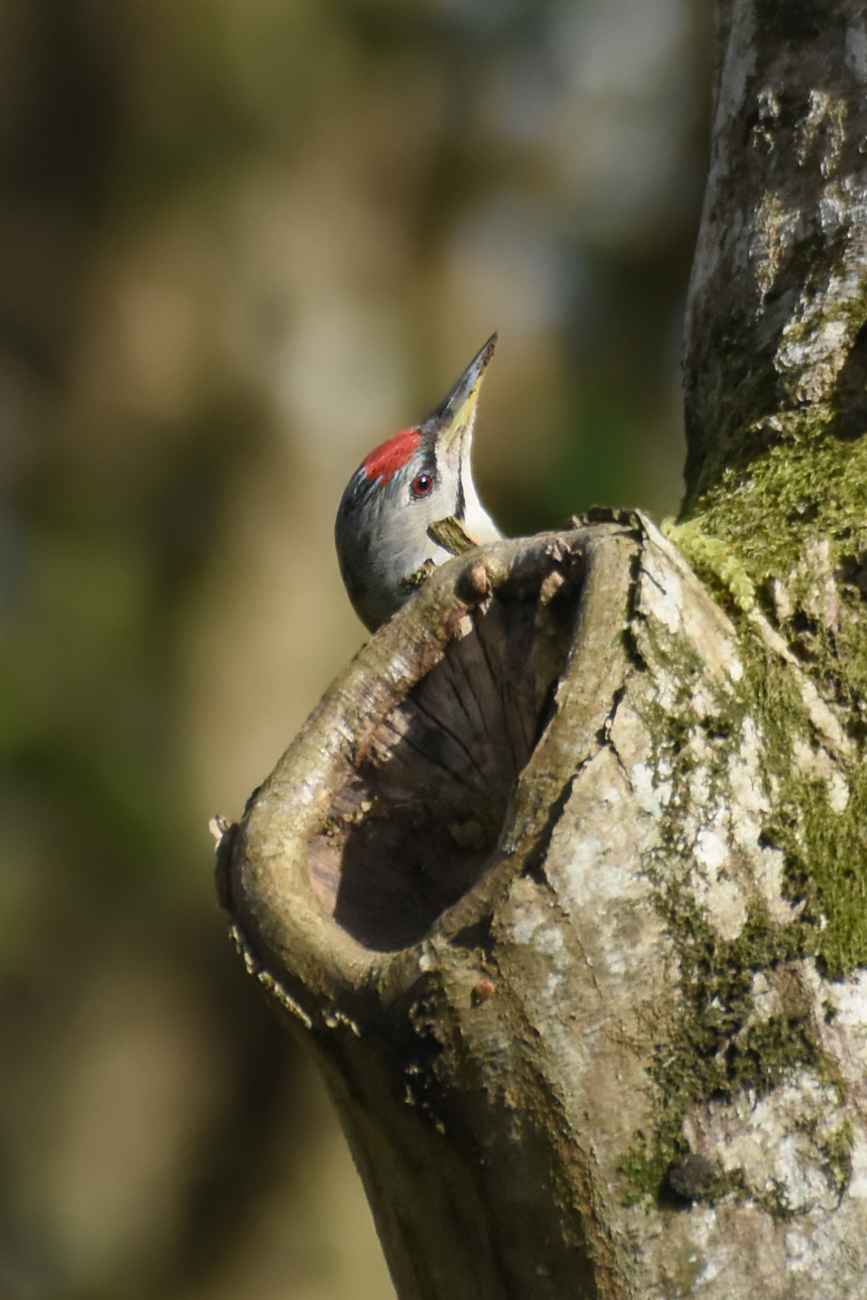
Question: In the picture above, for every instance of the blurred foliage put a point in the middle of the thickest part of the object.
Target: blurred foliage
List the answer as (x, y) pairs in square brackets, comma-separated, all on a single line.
[(242, 241)]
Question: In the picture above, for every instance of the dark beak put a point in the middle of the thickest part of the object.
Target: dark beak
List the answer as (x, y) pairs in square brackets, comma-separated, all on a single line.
[(455, 414)]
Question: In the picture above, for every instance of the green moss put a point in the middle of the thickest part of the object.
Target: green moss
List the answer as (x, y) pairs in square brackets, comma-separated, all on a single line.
[(825, 849), (793, 498), (826, 867), (837, 1149), (717, 1049), (714, 558), (792, 490), (755, 539), (765, 519), (771, 1047)]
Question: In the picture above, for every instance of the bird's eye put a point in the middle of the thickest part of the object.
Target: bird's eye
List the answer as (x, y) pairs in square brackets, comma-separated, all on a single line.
[(421, 485)]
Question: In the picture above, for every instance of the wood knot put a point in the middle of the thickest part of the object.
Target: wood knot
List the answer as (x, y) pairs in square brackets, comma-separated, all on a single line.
[(551, 586), (473, 585), (690, 1178)]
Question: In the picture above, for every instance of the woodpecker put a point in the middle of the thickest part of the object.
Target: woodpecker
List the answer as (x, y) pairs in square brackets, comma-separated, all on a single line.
[(388, 529)]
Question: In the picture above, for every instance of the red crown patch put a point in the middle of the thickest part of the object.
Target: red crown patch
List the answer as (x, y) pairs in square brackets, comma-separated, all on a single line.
[(386, 459)]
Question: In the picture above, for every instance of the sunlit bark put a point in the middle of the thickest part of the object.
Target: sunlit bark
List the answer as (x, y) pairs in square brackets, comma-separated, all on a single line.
[(563, 880)]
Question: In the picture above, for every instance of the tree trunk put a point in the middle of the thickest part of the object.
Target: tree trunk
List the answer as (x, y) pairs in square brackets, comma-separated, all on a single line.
[(564, 880)]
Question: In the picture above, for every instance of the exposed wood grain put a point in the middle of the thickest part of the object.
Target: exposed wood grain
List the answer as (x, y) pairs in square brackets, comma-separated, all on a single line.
[(418, 818)]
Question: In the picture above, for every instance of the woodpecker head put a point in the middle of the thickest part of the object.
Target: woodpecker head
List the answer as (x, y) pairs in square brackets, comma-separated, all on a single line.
[(417, 478)]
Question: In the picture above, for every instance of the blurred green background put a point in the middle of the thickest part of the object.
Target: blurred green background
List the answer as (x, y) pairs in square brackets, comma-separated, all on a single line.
[(242, 241)]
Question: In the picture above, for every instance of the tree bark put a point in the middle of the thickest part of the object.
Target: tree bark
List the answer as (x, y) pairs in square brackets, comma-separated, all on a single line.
[(563, 882)]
